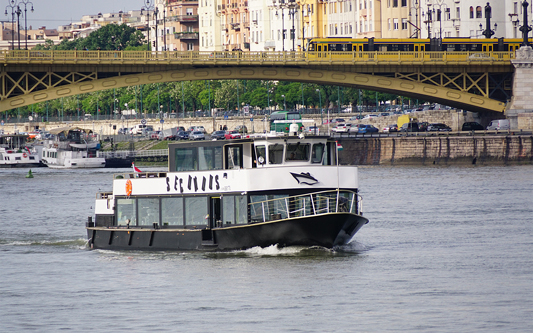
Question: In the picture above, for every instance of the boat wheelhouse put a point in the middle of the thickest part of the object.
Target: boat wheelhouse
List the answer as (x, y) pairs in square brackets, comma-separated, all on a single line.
[(233, 194), (71, 147)]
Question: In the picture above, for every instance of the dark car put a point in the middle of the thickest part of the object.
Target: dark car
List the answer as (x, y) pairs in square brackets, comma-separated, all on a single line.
[(438, 127), (362, 129), (472, 126), (218, 135), (182, 135), (409, 127), (423, 126)]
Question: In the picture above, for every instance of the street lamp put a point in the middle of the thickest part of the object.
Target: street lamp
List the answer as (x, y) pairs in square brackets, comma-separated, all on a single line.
[(488, 32), (26, 3), (320, 105), (12, 5), (18, 12), (416, 8), (148, 7), (284, 103), (525, 29)]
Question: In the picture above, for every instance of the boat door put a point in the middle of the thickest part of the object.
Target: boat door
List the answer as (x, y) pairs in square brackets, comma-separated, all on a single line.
[(215, 219)]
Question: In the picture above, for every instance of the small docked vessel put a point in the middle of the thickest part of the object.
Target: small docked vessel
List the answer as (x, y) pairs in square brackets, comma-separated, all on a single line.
[(71, 147), (14, 152), (236, 194)]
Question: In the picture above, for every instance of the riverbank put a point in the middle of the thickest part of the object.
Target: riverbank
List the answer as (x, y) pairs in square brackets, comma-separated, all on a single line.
[(439, 150)]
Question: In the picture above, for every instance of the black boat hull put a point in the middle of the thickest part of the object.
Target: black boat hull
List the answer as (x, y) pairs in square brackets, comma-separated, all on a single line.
[(327, 230)]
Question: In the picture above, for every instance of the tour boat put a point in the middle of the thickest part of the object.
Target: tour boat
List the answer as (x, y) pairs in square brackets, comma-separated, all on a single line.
[(233, 194), (14, 152), (71, 147)]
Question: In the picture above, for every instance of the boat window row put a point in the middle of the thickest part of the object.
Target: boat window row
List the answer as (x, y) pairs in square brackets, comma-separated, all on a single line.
[(50, 154), (182, 212), (277, 153)]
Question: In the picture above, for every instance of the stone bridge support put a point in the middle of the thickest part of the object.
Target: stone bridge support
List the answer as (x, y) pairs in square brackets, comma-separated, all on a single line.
[(520, 110)]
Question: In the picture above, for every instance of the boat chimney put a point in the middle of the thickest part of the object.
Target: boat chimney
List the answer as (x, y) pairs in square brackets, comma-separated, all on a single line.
[(293, 129)]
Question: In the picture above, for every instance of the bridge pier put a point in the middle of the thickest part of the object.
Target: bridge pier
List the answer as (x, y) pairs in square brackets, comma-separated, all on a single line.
[(520, 110)]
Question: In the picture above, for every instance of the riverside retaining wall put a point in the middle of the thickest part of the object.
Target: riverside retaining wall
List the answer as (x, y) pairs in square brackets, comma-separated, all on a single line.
[(442, 150)]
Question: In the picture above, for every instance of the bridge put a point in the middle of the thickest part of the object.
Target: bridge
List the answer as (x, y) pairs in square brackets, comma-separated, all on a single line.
[(473, 81)]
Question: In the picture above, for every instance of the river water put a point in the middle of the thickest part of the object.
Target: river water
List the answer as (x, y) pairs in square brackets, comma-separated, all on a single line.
[(446, 250)]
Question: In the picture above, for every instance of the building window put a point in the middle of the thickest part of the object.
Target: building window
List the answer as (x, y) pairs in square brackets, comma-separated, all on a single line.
[(471, 12), (479, 12), (395, 23), (404, 24), (404, 3), (395, 3)]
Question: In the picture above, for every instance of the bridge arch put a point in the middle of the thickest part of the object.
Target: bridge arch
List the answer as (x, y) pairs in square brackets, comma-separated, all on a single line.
[(414, 89)]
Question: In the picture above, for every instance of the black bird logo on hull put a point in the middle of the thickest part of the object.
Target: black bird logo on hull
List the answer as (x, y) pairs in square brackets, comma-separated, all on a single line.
[(304, 178)]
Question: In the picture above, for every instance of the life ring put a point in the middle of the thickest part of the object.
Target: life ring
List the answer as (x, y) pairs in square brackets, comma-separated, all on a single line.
[(129, 187), (24, 155)]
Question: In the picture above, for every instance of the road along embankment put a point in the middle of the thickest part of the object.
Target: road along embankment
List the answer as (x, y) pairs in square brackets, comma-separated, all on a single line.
[(438, 150)]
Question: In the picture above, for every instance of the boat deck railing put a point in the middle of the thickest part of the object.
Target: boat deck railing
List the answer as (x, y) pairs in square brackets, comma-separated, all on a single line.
[(310, 204)]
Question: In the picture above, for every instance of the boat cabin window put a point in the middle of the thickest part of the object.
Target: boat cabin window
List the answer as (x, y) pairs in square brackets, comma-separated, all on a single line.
[(197, 211), (172, 211), (126, 212), (260, 152), (297, 152), (148, 211), (198, 158), (234, 157), (234, 209), (318, 153), (275, 153)]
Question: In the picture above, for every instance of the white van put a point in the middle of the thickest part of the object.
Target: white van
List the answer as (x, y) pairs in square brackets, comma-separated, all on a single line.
[(138, 129), (499, 124)]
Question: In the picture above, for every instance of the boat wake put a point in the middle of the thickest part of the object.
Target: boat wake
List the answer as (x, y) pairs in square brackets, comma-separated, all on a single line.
[(79, 243)]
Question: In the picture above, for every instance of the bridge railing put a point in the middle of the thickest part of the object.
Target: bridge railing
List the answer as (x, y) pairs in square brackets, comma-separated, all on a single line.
[(240, 57)]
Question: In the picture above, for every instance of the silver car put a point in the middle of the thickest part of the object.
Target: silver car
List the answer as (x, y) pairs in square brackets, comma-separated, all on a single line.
[(196, 135)]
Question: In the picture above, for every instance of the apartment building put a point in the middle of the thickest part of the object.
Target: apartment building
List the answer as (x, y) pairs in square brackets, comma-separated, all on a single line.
[(235, 23), (210, 25), (177, 26)]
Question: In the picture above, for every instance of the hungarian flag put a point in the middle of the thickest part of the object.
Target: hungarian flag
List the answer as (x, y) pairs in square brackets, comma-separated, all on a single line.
[(339, 146), (135, 169)]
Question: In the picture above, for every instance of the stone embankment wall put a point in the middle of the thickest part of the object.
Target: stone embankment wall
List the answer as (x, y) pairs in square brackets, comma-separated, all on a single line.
[(438, 150)]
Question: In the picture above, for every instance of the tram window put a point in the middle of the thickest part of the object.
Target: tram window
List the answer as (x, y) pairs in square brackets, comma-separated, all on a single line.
[(297, 152), (462, 47), (172, 211), (126, 211), (275, 154), (148, 211), (318, 153), (196, 211), (311, 47)]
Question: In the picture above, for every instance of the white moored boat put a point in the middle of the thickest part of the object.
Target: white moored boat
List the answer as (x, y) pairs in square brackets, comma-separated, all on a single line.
[(233, 194), (71, 148), (14, 152)]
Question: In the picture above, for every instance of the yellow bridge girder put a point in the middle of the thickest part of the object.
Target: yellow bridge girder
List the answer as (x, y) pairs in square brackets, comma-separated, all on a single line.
[(399, 86), (460, 79)]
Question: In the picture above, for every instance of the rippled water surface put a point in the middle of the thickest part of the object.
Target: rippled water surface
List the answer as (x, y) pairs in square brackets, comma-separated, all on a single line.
[(446, 250)]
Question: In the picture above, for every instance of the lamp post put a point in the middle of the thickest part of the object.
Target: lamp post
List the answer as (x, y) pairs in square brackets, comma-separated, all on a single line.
[(284, 103), (292, 12), (26, 3), (416, 8), (525, 28), (488, 32), (320, 105), (148, 7), (12, 5), (18, 11)]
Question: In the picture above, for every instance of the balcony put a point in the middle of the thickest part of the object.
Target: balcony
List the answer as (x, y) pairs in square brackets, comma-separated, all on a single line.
[(186, 35), (184, 18), (236, 26)]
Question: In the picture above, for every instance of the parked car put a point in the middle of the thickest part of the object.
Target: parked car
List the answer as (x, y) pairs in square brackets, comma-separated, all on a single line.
[(312, 130), (438, 127), (197, 135), (371, 115), (409, 127), (499, 124), (199, 129), (154, 135), (341, 128), (182, 135), (390, 128), (423, 126), (123, 130), (232, 135), (356, 117), (362, 128), (241, 129), (472, 126), (218, 135)]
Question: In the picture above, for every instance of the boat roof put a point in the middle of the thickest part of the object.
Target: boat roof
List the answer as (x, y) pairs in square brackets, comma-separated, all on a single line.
[(67, 129)]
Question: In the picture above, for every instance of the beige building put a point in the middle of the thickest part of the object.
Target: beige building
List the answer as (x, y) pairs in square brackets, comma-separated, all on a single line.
[(396, 22), (178, 26), (210, 34), (235, 22)]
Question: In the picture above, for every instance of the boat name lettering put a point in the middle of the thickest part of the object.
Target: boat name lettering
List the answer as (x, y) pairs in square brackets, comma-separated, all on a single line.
[(210, 182)]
